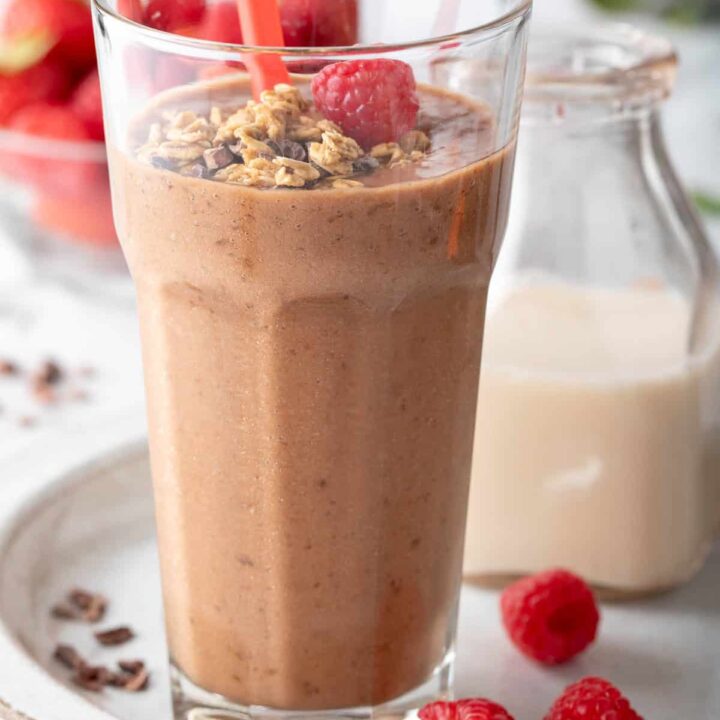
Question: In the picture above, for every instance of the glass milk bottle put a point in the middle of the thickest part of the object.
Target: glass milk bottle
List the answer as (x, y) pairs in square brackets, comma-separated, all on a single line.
[(597, 439)]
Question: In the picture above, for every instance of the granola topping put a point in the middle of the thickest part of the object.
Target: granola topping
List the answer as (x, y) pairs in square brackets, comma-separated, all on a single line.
[(279, 142)]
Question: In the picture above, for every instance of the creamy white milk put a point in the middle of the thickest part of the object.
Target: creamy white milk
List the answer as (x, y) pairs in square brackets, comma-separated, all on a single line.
[(595, 438)]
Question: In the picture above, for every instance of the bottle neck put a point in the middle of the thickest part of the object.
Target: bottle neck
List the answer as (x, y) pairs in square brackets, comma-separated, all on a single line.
[(589, 197)]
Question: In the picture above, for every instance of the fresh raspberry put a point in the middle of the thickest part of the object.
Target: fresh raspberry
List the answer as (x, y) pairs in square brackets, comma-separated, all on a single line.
[(480, 709), (592, 698), (87, 105), (45, 81), (221, 23), (468, 709), (373, 101), (67, 22), (66, 177), (439, 710), (318, 23), (551, 616), (172, 14)]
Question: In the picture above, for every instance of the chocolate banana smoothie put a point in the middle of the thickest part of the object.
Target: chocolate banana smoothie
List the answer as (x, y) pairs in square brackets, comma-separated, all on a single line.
[(311, 314)]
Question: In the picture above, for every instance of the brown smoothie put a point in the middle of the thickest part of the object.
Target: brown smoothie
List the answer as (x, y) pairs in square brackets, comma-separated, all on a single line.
[(311, 362)]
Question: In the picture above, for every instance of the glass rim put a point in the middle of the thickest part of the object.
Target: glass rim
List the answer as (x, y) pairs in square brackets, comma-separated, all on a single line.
[(519, 9)]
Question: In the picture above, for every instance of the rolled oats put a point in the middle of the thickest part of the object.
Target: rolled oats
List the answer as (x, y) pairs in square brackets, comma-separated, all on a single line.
[(336, 153), (216, 116), (306, 129), (294, 173), (414, 141), (387, 152), (181, 152), (280, 141), (345, 184)]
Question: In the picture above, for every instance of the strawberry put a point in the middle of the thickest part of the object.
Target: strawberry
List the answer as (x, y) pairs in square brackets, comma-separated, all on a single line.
[(87, 105), (87, 219), (50, 121), (173, 14), (221, 23), (21, 52), (319, 23), (45, 81), (67, 22), (63, 176)]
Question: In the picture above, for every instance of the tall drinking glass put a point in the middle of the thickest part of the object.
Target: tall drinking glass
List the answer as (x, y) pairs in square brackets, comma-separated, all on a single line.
[(311, 271)]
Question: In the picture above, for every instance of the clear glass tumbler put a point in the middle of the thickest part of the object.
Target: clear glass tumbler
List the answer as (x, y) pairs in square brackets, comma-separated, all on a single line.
[(311, 287), (598, 433)]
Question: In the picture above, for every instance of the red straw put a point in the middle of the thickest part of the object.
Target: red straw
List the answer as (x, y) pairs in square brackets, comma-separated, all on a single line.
[(260, 22)]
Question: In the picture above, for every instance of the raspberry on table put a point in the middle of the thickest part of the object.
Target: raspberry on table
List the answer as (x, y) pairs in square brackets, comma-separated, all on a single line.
[(551, 616), (468, 709), (592, 698), (439, 710), (373, 101)]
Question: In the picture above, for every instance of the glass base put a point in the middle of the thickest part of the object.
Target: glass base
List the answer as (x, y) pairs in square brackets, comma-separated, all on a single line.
[(193, 703)]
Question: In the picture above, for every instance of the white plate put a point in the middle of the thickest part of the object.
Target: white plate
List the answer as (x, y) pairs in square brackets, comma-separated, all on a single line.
[(93, 527)]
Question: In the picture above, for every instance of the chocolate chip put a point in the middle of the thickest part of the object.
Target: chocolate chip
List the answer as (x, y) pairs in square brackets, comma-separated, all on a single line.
[(49, 372), (118, 679), (69, 657), (62, 611), (43, 392), (197, 170), (96, 610), (131, 666), (115, 636), (365, 164), (289, 149), (323, 172), (93, 605), (236, 150), (138, 681), (81, 598), (8, 367), (92, 677), (218, 158)]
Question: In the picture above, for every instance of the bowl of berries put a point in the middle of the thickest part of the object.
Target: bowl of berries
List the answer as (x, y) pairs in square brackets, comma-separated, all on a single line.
[(54, 188)]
